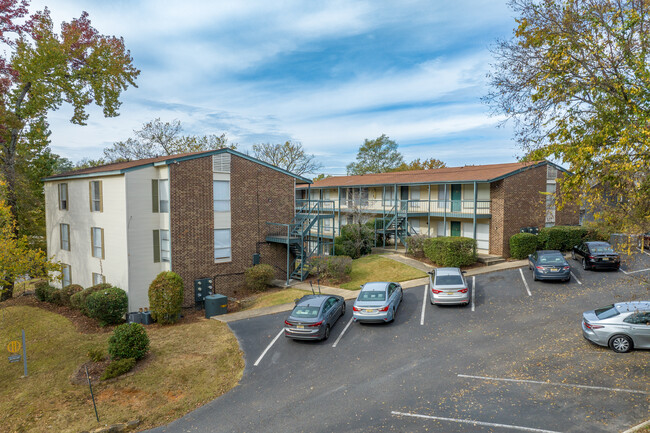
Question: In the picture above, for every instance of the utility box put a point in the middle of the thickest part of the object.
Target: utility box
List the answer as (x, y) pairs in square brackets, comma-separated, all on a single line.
[(202, 288), (134, 317), (146, 318), (256, 259), (215, 305), (533, 230)]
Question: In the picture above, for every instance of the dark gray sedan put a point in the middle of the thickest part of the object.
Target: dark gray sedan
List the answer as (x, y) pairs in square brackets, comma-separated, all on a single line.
[(549, 265), (622, 326), (314, 316), (594, 255)]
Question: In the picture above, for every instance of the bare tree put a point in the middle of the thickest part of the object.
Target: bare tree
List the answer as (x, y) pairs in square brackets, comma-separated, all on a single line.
[(289, 156)]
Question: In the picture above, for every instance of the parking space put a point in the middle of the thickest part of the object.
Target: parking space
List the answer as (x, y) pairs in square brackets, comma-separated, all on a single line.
[(513, 360)]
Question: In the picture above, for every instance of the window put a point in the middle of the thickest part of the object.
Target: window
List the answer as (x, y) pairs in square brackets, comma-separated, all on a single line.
[(97, 242), (66, 273), (551, 172), (96, 196), (98, 279), (63, 196), (160, 195), (65, 236), (161, 246), (222, 249), (221, 195)]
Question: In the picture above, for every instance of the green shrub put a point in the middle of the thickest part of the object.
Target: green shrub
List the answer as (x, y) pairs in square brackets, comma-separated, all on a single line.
[(522, 244), (561, 238), (166, 297), (67, 292), (78, 300), (129, 340), (332, 267), (356, 240), (108, 306), (259, 277), (96, 354), (44, 292), (450, 251), (118, 368), (415, 245)]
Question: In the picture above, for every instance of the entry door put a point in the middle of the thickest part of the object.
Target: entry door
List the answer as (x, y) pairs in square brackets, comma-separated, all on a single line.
[(456, 198), (404, 196), (455, 228)]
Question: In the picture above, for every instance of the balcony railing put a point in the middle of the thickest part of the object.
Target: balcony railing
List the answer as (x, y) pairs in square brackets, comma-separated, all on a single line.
[(462, 207)]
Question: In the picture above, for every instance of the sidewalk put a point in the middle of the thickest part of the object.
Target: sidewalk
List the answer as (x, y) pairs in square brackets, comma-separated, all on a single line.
[(352, 294)]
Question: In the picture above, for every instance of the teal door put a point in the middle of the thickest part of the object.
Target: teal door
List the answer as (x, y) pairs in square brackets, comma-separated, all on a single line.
[(455, 198), (455, 228)]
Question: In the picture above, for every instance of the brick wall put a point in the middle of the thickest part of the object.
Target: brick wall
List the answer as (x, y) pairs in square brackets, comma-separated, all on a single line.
[(258, 194)]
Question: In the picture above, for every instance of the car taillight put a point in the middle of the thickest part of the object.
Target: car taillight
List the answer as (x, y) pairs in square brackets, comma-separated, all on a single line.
[(463, 290), (566, 268), (436, 291), (316, 324), (288, 323), (592, 258), (384, 308), (540, 268), (590, 326), (355, 308)]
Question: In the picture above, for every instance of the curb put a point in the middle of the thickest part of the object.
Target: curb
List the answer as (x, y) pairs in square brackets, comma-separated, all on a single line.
[(352, 294), (638, 427)]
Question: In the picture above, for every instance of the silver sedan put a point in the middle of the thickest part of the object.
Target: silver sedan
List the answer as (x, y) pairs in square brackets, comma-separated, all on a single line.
[(622, 326), (377, 302), (448, 286)]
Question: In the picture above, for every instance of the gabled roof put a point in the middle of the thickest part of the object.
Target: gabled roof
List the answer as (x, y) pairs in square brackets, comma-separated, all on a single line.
[(123, 167), (468, 173)]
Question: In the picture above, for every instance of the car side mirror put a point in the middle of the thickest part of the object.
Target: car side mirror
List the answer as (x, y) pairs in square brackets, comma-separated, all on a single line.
[(430, 272), (295, 301), (530, 256), (463, 272)]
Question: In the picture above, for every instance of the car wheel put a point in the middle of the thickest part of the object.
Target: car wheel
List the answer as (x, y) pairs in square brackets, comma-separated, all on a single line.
[(534, 276), (327, 332), (585, 266), (620, 343), (343, 310)]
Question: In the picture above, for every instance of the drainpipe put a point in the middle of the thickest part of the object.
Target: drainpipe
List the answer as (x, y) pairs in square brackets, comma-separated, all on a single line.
[(444, 215), (475, 196), (383, 216), (429, 214)]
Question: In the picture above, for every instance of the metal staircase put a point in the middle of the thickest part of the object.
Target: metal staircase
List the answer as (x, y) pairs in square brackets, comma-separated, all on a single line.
[(297, 234), (397, 224)]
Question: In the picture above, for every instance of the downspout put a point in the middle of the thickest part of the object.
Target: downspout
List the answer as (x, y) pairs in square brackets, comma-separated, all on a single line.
[(475, 197), (429, 214), (396, 214), (383, 217), (444, 214)]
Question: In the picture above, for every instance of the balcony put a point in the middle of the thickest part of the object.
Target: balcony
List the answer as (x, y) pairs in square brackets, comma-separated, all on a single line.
[(450, 208)]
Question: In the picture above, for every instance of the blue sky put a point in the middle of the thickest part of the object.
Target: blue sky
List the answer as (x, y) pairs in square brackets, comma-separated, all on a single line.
[(327, 74)]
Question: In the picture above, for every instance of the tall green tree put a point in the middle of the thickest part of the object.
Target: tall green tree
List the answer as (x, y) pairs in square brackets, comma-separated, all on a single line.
[(158, 138), (289, 156), (416, 164), (376, 156), (44, 69), (575, 81)]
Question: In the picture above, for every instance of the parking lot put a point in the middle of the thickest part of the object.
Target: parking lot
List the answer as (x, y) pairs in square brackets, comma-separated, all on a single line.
[(513, 360)]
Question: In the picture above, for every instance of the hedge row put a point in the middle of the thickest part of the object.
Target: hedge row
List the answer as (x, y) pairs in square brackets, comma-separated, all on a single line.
[(450, 251), (562, 238)]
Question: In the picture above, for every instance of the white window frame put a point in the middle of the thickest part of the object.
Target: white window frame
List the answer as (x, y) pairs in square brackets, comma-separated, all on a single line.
[(63, 196), (64, 231), (165, 246), (96, 196), (222, 250), (66, 275), (97, 235), (98, 278), (220, 203)]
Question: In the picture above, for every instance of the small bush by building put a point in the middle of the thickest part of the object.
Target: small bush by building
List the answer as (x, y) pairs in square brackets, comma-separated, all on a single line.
[(108, 306), (522, 244), (166, 297), (561, 238), (330, 267), (129, 340), (259, 277), (96, 354), (78, 300), (451, 251), (44, 292), (118, 367), (67, 292), (415, 245), (356, 240)]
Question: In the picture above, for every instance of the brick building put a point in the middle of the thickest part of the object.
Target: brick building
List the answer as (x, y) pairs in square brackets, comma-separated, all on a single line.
[(201, 215), (488, 203)]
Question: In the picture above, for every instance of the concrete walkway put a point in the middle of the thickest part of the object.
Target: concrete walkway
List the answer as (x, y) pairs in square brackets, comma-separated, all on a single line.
[(352, 294)]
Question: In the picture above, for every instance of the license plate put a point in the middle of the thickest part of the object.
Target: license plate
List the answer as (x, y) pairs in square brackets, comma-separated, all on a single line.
[(605, 259), (300, 326), (450, 293), (553, 269), (370, 311)]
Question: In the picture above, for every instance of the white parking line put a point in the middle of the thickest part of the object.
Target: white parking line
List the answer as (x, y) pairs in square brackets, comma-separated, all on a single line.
[(470, 421), (344, 329), (424, 303), (473, 290), (644, 252), (525, 283), (621, 269), (634, 272), (575, 278), (567, 385), (268, 347)]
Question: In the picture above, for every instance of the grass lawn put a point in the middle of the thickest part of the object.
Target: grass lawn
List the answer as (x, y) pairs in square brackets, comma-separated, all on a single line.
[(377, 268), (189, 365), (282, 296)]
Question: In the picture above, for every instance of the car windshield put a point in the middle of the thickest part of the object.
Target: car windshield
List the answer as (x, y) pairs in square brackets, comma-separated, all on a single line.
[(602, 249), (606, 312), (305, 312), (372, 295), (448, 280), (551, 259)]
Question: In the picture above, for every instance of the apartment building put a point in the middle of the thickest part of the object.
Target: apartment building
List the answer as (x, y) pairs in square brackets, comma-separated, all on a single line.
[(202, 215), (488, 203)]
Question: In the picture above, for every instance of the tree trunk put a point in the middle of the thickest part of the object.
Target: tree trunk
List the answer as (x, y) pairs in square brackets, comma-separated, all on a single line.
[(7, 292)]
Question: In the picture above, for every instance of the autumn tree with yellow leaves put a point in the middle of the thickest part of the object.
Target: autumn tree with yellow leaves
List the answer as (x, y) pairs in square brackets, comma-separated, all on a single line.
[(575, 81)]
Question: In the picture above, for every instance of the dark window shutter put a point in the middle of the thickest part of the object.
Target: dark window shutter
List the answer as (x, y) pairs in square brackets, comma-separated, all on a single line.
[(154, 195), (156, 246)]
